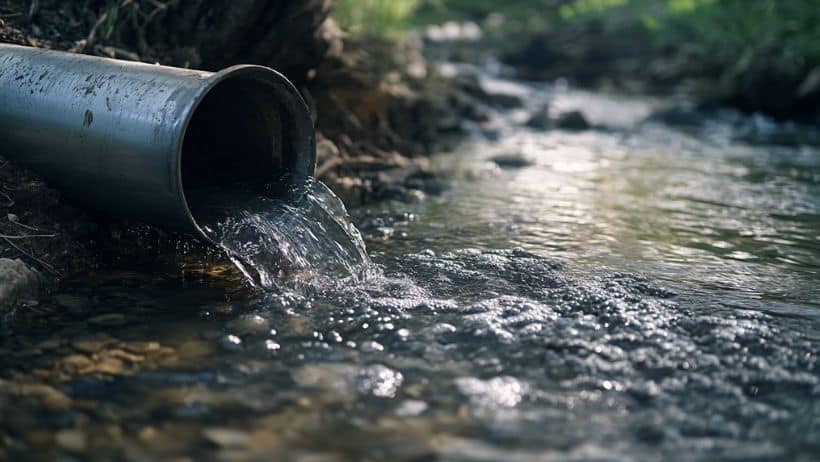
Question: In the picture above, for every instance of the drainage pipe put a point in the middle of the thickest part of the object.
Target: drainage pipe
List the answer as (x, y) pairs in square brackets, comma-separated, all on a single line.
[(150, 142)]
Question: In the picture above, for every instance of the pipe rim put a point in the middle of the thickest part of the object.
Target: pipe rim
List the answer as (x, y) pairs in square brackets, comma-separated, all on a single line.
[(295, 107)]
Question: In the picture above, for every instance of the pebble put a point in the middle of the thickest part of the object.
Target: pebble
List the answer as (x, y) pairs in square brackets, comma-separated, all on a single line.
[(141, 347), (112, 366), (75, 363), (71, 440), (411, 408), (540, 119), (146, 434), (511, 161), (226, 437), (51, 398), (125, 356), (231, 343), (108, 320), (572, 120), (88, 345), (249, 324)]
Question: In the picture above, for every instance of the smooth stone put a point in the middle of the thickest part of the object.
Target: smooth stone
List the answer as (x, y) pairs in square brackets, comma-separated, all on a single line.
[(226, 437), (51, 398), (540, 119), (108, 320), (572, 120), (231, 343), (88, 345), (75, 362), (141, 347), (71, 440), (112, 366), (511, 161), (249, 324)]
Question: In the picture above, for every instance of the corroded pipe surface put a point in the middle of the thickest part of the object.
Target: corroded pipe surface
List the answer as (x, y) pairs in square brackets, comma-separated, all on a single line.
[(143, 141)]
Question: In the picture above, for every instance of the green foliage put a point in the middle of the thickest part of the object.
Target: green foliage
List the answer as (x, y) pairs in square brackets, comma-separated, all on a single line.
[(749, 32), (389, 18)]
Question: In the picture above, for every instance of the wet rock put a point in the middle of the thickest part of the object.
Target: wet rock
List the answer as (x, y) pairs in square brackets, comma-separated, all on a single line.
[(89, 345), (75, 363), (17, 282), (226, 437), (111, 366), (50, 397), (141, 347), (540, 119), (504, 100), (572, 120), (471, 85), (677, 117), (511, 161), (411, 408), (108, 320), (249, 324), (230, 343), (71, 440)]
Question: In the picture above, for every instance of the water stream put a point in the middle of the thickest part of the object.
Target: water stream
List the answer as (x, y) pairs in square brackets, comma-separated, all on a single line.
[(636, 291), (300, 239)]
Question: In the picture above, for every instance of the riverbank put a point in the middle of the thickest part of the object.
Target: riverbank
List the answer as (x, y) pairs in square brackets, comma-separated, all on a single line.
[(758, 56)]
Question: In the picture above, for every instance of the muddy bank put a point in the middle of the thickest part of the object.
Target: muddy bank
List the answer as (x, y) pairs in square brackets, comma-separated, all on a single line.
[(379, 110)]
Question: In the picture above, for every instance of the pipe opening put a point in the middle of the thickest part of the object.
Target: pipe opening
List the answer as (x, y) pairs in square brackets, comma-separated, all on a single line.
[(251, 129)]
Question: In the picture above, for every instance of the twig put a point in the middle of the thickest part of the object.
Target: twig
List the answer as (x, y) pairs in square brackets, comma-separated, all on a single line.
[(8, 198), (33, 228), (44, 264), (26, 236), (92, 34)]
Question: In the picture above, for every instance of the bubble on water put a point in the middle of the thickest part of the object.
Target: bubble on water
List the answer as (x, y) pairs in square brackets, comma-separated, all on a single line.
[(378, 380), (495, 392)]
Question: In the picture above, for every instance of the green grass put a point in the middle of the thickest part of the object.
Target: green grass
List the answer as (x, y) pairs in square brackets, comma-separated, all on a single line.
[(383, 18), (735, 37)]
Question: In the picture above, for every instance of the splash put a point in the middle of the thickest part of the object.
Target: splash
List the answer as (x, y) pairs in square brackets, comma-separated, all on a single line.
[(295, 238)]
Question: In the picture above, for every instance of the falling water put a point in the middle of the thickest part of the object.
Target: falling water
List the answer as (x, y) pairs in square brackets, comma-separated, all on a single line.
[(294, 238)]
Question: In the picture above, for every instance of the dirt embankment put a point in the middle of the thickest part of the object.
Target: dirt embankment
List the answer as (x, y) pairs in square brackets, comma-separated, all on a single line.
[(378, 107)]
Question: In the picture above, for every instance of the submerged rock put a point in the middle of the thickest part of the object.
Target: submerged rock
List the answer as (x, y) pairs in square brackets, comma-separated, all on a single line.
[(540, 119), (511, 161), (17, 282), (572, 120), (569, 120)]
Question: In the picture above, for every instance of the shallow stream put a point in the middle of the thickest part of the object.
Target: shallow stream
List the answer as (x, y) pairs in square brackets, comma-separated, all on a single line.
[(635, 291)]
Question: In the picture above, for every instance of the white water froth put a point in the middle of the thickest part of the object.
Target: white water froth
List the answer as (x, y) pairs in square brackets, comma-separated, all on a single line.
[(303, 243)]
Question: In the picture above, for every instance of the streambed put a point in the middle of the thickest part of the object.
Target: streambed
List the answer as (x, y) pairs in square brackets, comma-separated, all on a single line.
[(637, 290)]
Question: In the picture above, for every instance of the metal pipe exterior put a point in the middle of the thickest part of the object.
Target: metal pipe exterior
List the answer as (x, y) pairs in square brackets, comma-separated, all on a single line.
[(138, 140)]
